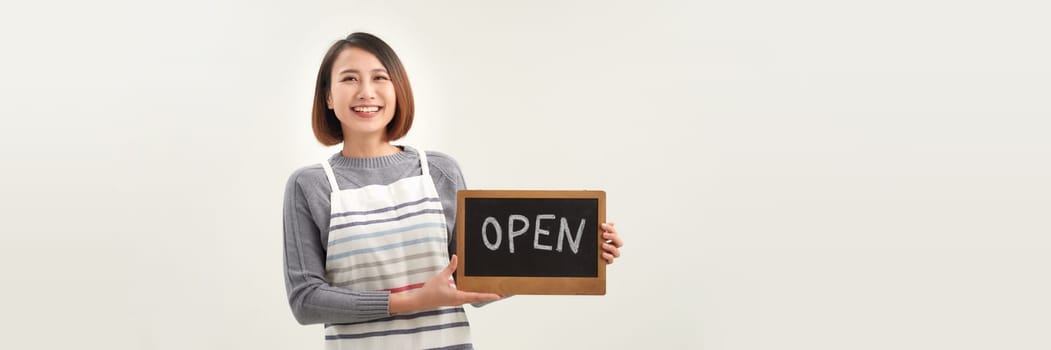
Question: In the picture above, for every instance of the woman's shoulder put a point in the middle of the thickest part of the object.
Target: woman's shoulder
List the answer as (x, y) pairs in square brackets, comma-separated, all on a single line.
[(445, 164), (308, 176), (441, 159)]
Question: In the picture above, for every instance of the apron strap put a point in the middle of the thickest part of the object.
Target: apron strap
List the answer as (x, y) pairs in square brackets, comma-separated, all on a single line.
[(331, 176), (423, 162)]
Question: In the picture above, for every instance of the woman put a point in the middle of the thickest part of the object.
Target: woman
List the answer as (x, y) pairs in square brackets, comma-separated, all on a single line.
[(367, 234)]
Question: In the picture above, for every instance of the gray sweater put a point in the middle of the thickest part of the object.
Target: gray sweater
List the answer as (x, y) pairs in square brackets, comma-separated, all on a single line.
[(306, 220)]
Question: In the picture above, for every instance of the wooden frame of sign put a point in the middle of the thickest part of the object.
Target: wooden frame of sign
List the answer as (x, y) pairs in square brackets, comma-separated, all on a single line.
[(555, 249)]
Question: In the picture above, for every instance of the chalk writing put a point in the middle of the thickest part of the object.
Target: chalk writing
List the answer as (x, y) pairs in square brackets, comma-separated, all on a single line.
[(564, 232)]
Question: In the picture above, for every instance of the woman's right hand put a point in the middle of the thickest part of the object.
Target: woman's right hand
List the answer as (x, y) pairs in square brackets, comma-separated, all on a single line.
[(437, 292)]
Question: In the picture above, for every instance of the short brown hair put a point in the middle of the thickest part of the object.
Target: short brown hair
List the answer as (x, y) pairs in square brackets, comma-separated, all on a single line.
[(327, 128)]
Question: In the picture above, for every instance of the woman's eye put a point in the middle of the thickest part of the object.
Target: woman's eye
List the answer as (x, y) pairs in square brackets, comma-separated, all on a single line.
[(381, 77), (350, 78)]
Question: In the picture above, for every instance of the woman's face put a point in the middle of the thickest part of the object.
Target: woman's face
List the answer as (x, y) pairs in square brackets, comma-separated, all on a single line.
[(362, 94)]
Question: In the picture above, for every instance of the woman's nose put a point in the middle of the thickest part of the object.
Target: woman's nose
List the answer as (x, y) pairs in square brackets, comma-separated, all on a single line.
[(366, 92)]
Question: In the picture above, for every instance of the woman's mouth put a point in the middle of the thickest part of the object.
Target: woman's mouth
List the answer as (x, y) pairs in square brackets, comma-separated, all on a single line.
[(366, 111)]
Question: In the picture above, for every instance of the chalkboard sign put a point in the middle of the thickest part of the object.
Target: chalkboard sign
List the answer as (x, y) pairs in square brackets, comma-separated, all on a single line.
[(530, 242)]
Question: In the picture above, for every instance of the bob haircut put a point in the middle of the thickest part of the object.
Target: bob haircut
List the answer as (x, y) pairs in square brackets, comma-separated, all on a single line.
[(327, 128)]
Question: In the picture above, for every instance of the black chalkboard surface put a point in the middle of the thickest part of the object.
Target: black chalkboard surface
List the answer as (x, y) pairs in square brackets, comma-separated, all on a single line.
[(530, 242)]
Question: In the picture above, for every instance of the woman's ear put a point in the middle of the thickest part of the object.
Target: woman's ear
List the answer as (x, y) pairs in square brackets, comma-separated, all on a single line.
[(328, 99)]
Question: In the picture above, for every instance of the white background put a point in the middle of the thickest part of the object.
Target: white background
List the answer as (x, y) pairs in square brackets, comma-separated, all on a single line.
[(787, 175)]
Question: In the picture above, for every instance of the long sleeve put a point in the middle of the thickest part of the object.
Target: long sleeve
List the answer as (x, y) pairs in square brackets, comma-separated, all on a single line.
[(310, 296)]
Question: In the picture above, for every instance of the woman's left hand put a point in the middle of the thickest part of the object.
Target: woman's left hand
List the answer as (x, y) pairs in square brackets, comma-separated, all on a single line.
[(611, 249)]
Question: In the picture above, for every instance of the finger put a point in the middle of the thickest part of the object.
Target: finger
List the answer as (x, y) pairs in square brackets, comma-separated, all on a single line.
[(608, 227), (608, 257), (609, 248), (470, 297), (614, 238), (448, 271)]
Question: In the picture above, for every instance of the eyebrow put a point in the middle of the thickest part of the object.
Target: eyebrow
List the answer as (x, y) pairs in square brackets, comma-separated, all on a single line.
[(359, 72)]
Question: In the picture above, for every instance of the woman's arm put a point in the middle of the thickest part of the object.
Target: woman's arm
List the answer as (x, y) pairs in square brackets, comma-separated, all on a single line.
[(310, 296)]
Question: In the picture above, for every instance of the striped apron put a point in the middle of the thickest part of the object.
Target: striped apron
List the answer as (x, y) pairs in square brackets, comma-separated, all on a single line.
[(391, 237)]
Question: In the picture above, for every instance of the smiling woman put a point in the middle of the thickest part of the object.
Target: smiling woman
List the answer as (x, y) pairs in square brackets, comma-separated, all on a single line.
[(368, 244)]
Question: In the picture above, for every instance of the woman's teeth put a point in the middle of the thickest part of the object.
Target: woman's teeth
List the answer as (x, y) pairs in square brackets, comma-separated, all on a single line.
[(365, 109)]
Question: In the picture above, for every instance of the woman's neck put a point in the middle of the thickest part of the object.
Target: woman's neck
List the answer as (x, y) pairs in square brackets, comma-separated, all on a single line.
[(358, 148)]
